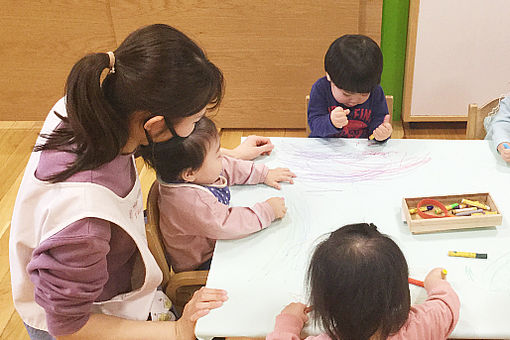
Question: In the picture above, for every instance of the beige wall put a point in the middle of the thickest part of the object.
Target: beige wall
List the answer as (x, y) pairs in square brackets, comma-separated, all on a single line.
[(271, 52)]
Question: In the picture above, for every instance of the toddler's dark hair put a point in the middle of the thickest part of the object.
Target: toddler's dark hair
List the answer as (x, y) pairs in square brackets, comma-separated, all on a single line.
[(170, 158), (358, 281), (354, 63)]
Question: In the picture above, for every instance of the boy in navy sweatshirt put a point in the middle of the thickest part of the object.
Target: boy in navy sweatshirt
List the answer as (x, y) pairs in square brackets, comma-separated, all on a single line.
[(349, 102)]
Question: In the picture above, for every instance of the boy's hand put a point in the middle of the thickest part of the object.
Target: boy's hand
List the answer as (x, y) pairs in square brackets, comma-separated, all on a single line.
[(339, 117), (298, 309), (383, 131), (504, 152), (279, 175), (433, 277), (278, 205)]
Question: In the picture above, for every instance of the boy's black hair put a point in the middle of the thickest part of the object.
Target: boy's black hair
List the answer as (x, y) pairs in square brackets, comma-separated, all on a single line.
[(358, 281), (354, 63), (158, 70), (170, 158)]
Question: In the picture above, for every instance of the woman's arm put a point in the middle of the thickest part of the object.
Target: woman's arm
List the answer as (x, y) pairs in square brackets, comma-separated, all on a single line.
[(101, 326)]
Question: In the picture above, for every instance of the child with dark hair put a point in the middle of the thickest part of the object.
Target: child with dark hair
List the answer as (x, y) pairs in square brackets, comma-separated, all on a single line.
[(194, 196), (358, 280), (349, 102)]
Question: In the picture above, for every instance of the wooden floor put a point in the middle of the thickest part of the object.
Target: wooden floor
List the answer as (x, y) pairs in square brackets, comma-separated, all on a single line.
[(16, 142)]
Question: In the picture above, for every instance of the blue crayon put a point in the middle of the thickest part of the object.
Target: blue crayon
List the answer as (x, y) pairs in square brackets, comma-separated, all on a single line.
[(505, 145)]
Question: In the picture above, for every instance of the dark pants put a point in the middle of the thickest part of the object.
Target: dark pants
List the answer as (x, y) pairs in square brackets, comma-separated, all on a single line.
[(37, 334)]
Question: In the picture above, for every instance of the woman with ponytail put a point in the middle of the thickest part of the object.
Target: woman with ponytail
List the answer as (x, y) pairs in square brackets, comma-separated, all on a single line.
[(77, 228)]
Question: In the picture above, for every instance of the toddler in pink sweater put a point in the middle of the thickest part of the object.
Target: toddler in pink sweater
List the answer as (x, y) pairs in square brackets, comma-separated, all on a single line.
[(194, 196), (358, 280)]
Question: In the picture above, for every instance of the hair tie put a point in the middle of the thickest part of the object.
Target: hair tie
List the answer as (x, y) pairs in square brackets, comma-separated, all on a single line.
[(112, 61)]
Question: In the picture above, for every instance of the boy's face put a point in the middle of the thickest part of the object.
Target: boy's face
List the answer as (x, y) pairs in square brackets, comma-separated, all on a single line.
[(212, 166), (347, 98)]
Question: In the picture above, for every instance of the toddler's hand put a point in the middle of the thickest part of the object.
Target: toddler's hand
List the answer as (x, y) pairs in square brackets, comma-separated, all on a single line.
[(339, 117), (298, 309), (278, 205), (433, 277), (383, 131), (505, 153), (279, 175)]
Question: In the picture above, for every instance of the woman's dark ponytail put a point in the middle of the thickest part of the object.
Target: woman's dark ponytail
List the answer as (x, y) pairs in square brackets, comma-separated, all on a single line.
[(158, 70)]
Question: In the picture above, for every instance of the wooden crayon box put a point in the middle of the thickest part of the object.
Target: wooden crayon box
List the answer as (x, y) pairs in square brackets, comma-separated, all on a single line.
[(419, 225)]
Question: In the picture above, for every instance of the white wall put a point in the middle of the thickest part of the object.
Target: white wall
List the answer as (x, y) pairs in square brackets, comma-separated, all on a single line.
[(462, 55)]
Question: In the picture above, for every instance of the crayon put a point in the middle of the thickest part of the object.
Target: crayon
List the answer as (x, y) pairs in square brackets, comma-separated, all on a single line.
[(371, 137), (416, 282), (467, 213), (476, 204), (448, 207), (505, 145), (415, 210), (456, 211), (466, 254), (443, 274)]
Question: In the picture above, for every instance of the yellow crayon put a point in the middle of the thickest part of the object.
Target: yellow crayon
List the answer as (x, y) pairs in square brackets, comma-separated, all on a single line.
[(490, 212), (371, 137), (477, 214), (466, 254), (415, 210), (443, 274), (476, 204)]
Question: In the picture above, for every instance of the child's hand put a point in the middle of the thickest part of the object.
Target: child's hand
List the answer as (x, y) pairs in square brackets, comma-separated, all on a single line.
[(278, 205), (433, 277), (279, 175), (339, 117), (504, 152), (383, 131), (298, 309)]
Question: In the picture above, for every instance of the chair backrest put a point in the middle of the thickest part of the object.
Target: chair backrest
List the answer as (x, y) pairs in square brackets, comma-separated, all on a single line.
[(476, 115), (389, 102), (154, 238)]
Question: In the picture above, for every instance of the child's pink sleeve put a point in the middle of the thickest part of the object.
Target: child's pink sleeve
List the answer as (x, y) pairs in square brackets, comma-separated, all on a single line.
[(434, 319), (239, 171), (288, 327), (197, 212)]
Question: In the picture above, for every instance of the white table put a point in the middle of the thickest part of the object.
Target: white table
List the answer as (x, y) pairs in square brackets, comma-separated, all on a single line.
[(342, 181)]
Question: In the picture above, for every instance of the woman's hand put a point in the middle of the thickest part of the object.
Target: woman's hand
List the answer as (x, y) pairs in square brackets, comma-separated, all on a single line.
[(201, 303), (251, 148)]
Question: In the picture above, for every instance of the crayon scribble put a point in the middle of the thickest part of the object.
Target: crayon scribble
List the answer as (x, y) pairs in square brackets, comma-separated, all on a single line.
[(339, 163)]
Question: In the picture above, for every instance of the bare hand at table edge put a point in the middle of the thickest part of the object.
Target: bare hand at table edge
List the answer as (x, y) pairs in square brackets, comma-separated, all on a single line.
[(383, 131), (251, 148), (274, 176), (297, 309), (278, 205), (504, 152), (433, 277), (201, 303)]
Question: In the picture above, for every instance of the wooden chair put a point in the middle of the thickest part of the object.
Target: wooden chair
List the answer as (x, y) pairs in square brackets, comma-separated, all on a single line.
[(389, 101), (179, 287), (476, 115)]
